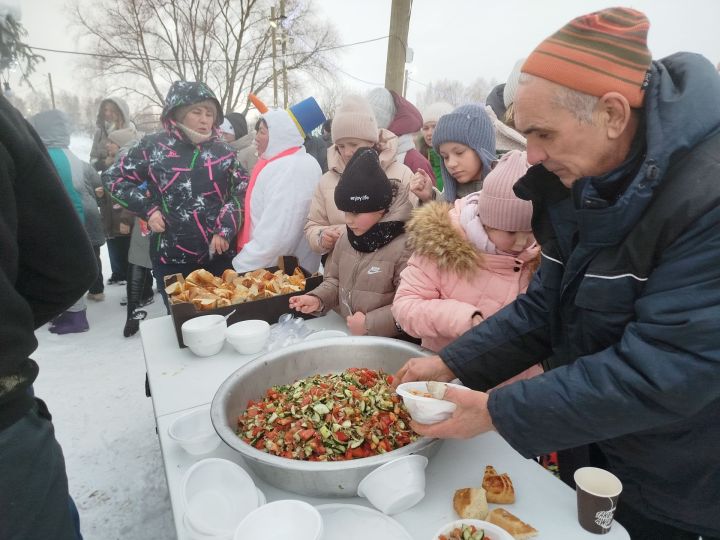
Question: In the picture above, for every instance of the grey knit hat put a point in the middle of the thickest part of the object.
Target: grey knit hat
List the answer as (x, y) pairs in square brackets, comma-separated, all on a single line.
[(471, 126)]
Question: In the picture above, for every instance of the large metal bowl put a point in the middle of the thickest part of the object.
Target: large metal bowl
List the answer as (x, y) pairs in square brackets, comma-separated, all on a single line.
[(320, 479)]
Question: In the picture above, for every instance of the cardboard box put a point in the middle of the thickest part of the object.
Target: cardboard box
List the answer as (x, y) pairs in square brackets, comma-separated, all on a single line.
[(267, 309)]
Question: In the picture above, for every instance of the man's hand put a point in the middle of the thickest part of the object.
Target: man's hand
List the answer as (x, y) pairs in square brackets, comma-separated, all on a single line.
[(156, 222), (422, 185), (305, 303), (99, 192), (356, 324), (428, 368), (124, 228), (329, 237), (471, 417), (218, 244)]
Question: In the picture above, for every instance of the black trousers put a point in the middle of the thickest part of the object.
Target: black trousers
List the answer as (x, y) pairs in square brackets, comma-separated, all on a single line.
[(98, 286), (642, 528)]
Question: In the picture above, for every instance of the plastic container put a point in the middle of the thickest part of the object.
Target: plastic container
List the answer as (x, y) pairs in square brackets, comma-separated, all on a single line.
[(248, 337), (194, 432), (426, 410), (396, 486), (205, 336), (281, 520), (218, 494), (491, 530)]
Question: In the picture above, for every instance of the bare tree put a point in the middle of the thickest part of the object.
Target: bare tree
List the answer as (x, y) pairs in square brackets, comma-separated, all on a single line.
[(455, 92), (144, 45)]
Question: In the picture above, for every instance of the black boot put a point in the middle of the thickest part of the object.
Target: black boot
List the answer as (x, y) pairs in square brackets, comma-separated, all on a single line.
[(136, 287)]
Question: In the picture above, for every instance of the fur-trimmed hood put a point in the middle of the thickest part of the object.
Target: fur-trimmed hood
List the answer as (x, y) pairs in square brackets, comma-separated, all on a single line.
[(432, 233)]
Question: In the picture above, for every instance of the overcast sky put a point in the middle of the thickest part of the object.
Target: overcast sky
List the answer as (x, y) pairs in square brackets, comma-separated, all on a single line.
[(451, 39)]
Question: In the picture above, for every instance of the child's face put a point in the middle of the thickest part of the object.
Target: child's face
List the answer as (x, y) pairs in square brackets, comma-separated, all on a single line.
[(347, 146), (111, 148), (427, 130), (200, 118), (359, 224), (461, 161), (262, 138), (111, 113), (510, 242)]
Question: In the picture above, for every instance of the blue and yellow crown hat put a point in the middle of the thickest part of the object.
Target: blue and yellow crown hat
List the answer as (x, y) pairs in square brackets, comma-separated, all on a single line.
[(307, 114)]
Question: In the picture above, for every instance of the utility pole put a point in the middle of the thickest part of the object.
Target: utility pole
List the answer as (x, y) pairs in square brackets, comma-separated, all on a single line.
[(397, 45), (283, 37), (273, 26), (52, 93)]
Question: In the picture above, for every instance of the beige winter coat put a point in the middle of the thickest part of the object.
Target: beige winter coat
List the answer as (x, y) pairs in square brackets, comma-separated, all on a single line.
[(323, 212), (366, 282)]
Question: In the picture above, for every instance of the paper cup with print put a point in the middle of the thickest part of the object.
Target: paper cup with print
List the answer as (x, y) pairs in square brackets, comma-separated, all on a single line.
[(597, 496)]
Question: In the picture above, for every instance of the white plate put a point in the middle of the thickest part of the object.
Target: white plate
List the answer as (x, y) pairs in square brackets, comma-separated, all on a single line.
[(354, 522)]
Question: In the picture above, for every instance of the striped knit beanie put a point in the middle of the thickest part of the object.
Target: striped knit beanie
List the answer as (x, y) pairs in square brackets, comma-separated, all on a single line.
[(469, 125), (602, 52)]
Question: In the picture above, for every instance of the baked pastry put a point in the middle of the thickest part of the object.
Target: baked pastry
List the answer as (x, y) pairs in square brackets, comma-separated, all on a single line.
[(499, 487), (470, 503), (517, 528)]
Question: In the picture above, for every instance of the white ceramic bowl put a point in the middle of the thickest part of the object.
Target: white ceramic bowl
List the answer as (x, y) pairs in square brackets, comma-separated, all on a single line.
[(281, 520), (396, 486), (218, 494), (248, 337), (493, 531), (194, 432), (324, 334), (204, 335), (426, 410)]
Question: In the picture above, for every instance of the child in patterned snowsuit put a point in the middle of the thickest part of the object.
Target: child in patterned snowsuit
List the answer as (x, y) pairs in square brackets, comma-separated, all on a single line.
[(192, 185)]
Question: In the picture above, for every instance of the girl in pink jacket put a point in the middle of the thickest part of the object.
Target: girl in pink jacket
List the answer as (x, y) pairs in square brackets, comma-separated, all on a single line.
[(470, 259)]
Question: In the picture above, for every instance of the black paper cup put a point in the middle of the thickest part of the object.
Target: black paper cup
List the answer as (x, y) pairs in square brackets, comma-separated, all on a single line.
[(597, 495)]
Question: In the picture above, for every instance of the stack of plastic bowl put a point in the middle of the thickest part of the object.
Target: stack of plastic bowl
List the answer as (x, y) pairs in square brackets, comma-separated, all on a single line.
[(248, 337), (194, 432), (218, 495), (281, 520), (204, 335), (422, 409), (396, 486)]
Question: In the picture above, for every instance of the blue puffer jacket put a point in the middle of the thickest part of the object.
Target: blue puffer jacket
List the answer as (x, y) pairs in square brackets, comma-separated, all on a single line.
[(625, 310), (199, 188)]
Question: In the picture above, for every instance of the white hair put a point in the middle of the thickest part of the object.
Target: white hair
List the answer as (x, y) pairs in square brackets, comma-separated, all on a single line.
[(580, 104)]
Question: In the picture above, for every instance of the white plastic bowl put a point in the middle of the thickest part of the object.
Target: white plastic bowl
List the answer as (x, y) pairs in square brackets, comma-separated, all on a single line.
[(194, 432), (492, 530), (281, 520), (324, 334), (204, 335), (426, 410), (218, 494), (396, 486), (197, 535), (248, 337)]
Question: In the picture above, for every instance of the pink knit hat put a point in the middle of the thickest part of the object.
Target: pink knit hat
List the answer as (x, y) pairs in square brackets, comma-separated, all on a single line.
[(498, 206), (354, 118)]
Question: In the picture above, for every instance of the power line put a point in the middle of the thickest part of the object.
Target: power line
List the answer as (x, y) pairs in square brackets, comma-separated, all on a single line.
[(127, 57)]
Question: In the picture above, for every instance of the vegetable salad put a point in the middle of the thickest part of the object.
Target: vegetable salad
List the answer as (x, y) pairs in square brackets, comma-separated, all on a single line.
[(348, 415)]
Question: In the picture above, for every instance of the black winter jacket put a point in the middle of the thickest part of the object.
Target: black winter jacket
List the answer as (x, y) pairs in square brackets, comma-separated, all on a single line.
[(624, 311), (46, 260)]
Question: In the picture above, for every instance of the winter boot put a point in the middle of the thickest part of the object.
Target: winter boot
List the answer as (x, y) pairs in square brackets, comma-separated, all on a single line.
[(97, 297), (138, 277), (132, 325), (72, 322)]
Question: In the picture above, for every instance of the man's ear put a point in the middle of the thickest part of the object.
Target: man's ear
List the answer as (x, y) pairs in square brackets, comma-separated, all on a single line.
[(615, 112)]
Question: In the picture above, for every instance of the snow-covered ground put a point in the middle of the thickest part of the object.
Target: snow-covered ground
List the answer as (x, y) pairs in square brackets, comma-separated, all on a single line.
[(93, 384)]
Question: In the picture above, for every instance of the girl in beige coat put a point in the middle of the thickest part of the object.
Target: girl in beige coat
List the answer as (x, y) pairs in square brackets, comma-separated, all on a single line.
[(353, 127), (363, 272)]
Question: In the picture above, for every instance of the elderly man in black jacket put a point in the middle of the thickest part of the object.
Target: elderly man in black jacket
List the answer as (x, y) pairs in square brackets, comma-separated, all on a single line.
[(623, 312), (47, 263)]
